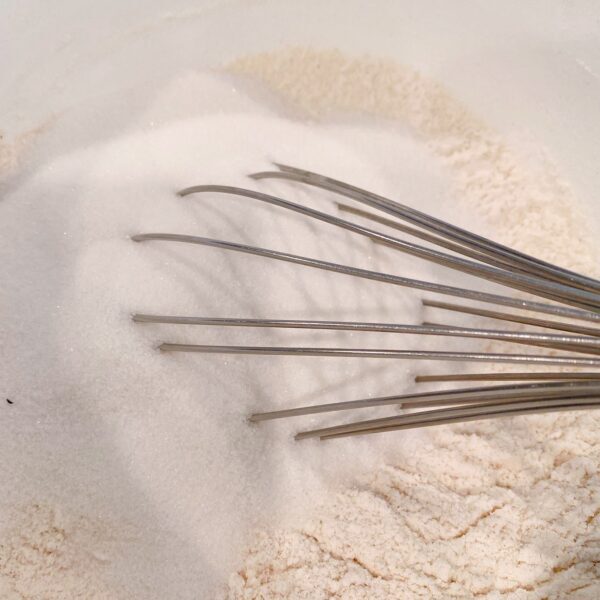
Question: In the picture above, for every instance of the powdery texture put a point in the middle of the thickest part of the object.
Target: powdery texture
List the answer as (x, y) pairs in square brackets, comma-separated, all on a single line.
[(498, 509), (12, 151), (51, 556), (9, 156)]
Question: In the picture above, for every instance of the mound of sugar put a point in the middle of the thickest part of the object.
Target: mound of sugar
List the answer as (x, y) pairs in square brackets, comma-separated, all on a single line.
[(105, 426)]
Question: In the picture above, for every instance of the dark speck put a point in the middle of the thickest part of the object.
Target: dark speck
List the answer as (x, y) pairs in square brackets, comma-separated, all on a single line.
[(9, 401)]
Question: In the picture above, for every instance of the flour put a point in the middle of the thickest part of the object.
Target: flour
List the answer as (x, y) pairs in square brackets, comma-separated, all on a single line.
[(503, 509), (47, 555), (11, 151)]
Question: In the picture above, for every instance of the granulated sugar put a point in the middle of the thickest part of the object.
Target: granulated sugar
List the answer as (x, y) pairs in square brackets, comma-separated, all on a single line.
[(134, 474), (494, 509), (105, 428)]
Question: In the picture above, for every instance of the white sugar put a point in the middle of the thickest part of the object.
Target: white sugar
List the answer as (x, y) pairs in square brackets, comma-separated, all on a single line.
[(105, 426)]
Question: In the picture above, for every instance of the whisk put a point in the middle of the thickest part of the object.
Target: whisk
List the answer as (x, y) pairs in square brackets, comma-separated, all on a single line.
[(572, 296)]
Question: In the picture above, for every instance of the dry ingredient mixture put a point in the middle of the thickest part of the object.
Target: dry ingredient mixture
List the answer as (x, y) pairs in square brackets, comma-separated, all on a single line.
[(499, 509), (135, 475)]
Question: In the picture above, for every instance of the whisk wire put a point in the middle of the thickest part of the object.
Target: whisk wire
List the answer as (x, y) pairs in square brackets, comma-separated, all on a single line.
[(506, 393), (572, 296), (437, 226), (527, 283), (427, 286)]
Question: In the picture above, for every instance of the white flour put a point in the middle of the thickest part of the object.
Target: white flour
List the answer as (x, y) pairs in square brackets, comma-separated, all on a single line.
[(45, 554), (135, 474)]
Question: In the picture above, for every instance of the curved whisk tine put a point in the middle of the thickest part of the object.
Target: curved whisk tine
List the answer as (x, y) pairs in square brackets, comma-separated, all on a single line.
[(564, 376), (524, 282), (448, 416), (487, 394), (574, 298), (433, 224), (485, 357), (580, 344), (514, 318), (428, 286)]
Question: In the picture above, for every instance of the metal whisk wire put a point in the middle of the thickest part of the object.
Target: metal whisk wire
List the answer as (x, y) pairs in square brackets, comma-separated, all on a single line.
[(574, 296)]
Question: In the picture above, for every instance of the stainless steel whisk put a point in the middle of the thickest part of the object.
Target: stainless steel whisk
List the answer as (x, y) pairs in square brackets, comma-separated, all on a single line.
[(573, 296)]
